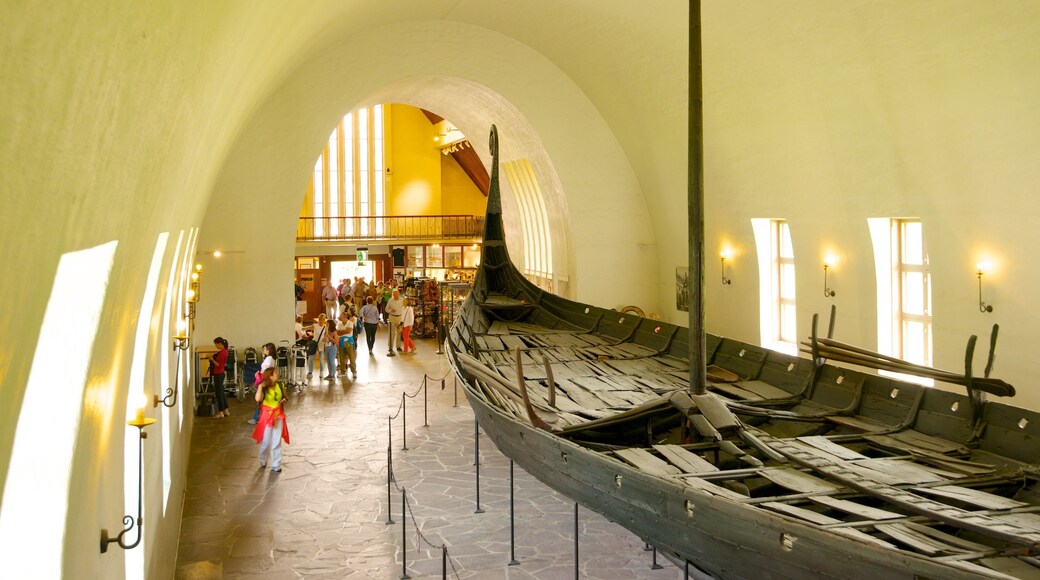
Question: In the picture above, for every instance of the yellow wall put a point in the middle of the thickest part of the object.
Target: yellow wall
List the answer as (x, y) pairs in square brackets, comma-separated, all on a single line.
[(422, 180), (459, 195), (414, 186)]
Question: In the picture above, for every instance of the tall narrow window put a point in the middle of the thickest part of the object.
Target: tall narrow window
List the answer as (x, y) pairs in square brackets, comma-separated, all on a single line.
[(377, 167), (777, 307), (904, 291), (346, 135), (785, 329), (348, 187), (319, 196), (911, 292), (332, 209)]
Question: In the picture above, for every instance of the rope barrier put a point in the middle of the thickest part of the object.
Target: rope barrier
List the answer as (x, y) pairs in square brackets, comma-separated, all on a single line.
[(392, 479)]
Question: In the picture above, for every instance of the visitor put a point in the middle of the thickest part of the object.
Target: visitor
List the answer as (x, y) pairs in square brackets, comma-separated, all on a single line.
[(269, 362), (359, 292), (303, 335), (272, 428), (331, 299), (217, 364), (329, 346), (370, 320), (394, 312), (314, 344), (407, 320), (388, 289), (347, 356)]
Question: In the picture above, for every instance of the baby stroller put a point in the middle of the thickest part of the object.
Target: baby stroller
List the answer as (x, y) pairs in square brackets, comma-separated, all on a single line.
[(299, 369), (232, 382)]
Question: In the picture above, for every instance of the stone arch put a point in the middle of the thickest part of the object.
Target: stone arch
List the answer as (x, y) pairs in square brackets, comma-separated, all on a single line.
[(468, 74)]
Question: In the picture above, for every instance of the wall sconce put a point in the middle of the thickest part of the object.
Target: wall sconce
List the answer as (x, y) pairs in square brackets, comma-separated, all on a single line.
[(140, 421), (727, 253), (827, 263), (181, 343), (982, 268)]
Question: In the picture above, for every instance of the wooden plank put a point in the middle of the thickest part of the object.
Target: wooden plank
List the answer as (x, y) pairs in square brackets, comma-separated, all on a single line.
[(645, 461), (686, 461), (894, 471), (816, 452), (947, 538), (983, 571), (972, 496), (711, 488), (857, 422), (915, 540), (825, 444), (855, 508), (1013, 567), (1031, 521), (735, 391), (801, 513), (863, 536), (764, 390), (512, 342), (798, 481), (579, 395), (910, 440)]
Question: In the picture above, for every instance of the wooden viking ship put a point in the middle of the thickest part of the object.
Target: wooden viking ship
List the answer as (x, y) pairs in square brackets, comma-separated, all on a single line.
[(785, 467)]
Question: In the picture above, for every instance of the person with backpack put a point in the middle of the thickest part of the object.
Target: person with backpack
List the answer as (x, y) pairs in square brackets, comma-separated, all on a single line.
[(314, 344), (272, 428)]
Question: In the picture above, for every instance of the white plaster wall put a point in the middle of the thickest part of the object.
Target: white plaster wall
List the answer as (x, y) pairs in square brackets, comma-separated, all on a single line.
[(827, 114)]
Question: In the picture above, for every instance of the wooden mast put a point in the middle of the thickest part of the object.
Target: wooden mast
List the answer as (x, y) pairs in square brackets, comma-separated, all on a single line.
[(695, 166)]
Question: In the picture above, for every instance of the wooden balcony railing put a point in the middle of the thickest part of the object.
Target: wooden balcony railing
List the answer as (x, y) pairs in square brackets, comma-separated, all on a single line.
[(375, 228)]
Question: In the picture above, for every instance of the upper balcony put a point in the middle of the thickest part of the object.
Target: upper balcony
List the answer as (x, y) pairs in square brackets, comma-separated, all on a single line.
[(390, 228)]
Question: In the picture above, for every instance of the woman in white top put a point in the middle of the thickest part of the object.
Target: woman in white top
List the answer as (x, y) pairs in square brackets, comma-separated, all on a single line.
[(407, 321), (318, 336)]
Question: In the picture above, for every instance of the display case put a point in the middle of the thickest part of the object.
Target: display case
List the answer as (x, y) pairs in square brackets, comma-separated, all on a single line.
[(423, 295), (452, 295)]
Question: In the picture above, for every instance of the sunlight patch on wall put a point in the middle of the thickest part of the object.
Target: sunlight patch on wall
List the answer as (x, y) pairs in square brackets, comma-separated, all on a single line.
[(170, 312), (182, 312), (141, 382), (35, 507)]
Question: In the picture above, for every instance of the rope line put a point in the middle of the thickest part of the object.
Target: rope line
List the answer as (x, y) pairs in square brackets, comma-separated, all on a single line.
[(419, 536)]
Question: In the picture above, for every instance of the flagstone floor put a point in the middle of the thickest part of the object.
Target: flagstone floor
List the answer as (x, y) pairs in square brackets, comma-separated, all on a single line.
[(325, 515)]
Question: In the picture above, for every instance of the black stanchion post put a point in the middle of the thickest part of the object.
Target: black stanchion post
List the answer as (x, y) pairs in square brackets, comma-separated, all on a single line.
[(404, 538), (456, 389), (476, 461), (653, 561), (425, 404), (389, 478), (686, 570), (444, 563), (404, 424), (575, 540), (512, 520)]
